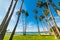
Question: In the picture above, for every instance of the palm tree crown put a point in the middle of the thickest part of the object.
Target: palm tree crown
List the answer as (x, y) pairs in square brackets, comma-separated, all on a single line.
[(39, 4)]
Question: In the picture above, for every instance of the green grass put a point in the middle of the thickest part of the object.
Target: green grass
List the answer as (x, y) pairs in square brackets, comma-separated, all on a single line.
[(31, 37)]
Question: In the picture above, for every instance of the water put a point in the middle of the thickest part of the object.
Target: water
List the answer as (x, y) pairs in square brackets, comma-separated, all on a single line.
[(31, 32)]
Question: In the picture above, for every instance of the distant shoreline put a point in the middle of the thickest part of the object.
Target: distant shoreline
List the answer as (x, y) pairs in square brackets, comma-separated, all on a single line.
[(29, 32)]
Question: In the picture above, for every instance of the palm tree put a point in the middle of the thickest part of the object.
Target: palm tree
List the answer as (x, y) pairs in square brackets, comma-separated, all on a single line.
[(36, 17), (46, 12), (18, 13), (26, 15), (23, 13), (11, 37), (7, 14), (41, 19), (7, 22)]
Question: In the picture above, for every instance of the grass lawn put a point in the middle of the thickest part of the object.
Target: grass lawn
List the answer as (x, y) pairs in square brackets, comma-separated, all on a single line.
[(31, 37)]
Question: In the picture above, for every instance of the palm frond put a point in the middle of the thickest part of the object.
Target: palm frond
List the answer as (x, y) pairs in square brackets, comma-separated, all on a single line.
[(46, 12), (22, 0), (39, 4), (41, 17), (51, 19), (35, 17), (45, 4), (26, 13), (22, 11), (35, 11), (59, 3), (17, 12), (46, 20)]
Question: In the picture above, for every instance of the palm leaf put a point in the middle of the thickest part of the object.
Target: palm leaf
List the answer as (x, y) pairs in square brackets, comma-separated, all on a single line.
[(35, 11), (41, 17), (45, 4), (17, 12), (51, 19), (35, 17), (59, 3), (22, 0), (39, 4), (46, 12), (26, 13), (22, 10), (46, 20)]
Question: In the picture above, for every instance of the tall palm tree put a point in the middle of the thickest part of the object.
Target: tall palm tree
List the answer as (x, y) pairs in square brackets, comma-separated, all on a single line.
[(46, 12), (7, 14), (55, 7), (13, 32), (26, 15), (41, 4), (18, 13), (41, 19), (36, 17), (7, 22), (23, 13)]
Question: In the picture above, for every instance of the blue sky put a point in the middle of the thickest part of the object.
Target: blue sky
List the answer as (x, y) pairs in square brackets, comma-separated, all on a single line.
[(29, 5)]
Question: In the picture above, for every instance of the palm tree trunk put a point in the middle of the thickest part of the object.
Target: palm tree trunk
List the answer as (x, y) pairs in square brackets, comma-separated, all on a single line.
[(11, 37), (25, 27), (42, 26), (52, 29), (46, 26), (7, 22), (5, 18), (38, 27)]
